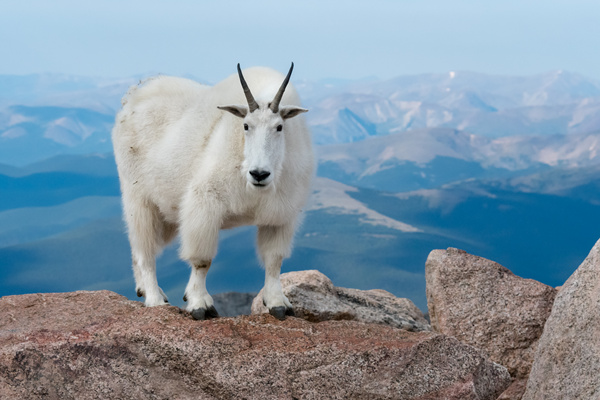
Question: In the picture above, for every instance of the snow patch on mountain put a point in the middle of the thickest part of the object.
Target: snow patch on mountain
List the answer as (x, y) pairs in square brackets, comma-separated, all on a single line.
[(447, 197), (333, 196)]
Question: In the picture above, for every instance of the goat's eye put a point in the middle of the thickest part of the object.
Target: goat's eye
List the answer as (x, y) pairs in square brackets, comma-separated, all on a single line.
[(279, 128), (245, 127)]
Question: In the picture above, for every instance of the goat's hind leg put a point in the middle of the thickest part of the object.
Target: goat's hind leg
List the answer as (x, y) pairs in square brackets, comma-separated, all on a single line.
[(145, 227)]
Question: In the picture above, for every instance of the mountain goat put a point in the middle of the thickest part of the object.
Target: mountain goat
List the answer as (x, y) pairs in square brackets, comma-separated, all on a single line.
[(194, 159)]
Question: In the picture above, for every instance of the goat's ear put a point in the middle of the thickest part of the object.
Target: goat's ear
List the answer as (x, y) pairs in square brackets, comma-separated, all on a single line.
[(238, 111), (291, 111)]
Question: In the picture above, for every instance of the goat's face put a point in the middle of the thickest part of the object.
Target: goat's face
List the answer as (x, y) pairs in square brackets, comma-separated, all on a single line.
[(264, 141), (264, 130)]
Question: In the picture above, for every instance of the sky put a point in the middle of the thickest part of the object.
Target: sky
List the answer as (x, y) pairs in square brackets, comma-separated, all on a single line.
[(346, 39)]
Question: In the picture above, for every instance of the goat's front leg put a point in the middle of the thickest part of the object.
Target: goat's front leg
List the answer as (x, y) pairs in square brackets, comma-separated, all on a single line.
[(274, 244), (200, 303), (200, 225)]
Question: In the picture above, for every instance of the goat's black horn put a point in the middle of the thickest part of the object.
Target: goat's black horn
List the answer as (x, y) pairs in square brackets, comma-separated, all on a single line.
[(252, 104), (274, 106)]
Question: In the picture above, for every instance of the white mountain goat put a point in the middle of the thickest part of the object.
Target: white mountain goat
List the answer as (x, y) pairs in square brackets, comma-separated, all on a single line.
[(193, 159)]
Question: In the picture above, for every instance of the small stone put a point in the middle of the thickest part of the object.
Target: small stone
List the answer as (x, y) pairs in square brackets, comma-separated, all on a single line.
[(315, 299), (232, 304)]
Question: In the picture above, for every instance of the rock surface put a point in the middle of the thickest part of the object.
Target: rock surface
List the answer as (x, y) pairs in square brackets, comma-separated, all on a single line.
[(316, 299), (515, 391), (567, 362), (99, 345), (483, 304)]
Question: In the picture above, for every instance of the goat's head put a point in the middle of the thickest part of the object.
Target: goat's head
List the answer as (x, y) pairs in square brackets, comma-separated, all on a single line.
[(264, 130)]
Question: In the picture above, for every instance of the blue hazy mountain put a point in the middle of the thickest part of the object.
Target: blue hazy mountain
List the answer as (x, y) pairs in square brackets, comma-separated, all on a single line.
[(432, 157), (95, 164), (557, 102), (29, 88), (52, 188), (36, 133), (27, 224)]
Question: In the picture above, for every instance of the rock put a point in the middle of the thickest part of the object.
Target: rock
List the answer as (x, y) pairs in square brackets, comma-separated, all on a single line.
[(232, 304), (483, 304), (515, 390), (99, 345), (316, 299), (567, 361)]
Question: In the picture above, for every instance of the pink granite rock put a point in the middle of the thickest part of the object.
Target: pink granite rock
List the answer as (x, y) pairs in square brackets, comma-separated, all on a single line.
[(483, 304), (567, 361), (98, 345)]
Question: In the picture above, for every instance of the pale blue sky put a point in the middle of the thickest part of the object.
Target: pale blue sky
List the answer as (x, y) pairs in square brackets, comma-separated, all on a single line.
[(325, 38)]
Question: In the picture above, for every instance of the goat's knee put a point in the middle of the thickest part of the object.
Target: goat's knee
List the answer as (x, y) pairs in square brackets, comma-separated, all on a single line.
[(199, 231), (274, 242)]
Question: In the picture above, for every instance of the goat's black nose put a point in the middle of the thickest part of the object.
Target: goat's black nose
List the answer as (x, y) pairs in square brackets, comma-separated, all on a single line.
[(259, 175)]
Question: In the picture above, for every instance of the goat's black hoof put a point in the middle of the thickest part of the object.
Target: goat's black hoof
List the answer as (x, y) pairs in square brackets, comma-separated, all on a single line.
[(281, 312), (140, 293), (212, 312), (201, 314), (185, 298)]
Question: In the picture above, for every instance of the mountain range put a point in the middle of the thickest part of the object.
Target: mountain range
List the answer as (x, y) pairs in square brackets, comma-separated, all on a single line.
[(46, 115), (557, 102), (503, 167)]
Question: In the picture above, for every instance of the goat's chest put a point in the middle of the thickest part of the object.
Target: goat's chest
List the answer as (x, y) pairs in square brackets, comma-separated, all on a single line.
[(264, 211)]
